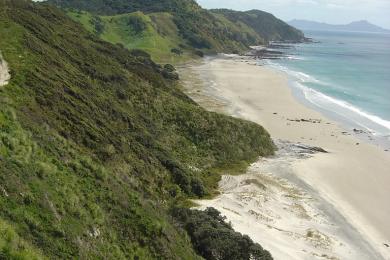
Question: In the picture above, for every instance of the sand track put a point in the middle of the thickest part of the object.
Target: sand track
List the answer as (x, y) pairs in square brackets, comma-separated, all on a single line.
[(287, 218), (4, 72)]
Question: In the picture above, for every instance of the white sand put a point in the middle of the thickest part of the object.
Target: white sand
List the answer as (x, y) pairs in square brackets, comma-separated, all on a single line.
[(4, 72), (355, 179)]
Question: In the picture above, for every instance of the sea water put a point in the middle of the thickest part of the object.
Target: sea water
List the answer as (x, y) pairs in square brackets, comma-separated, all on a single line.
[(345, 75)]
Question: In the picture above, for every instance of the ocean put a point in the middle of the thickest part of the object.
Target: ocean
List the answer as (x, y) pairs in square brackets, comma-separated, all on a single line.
[(345, 75)]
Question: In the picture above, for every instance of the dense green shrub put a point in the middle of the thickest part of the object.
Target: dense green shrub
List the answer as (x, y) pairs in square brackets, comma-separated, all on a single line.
[(169, 68), (177, 51), (98, 24), (214, 239), (169, 72), (136, 23), (199, 53), (140, 53), (264, 24)]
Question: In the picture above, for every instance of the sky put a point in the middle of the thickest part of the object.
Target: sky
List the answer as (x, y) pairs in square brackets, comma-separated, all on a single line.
[(329, 11)]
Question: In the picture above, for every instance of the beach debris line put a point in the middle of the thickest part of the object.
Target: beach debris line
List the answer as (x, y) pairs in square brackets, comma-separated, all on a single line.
[(359, 131), (314, 121), (311, 149), (297, 150)]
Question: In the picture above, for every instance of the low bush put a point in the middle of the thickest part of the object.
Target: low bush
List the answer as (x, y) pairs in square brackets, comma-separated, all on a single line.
[(214, 239)]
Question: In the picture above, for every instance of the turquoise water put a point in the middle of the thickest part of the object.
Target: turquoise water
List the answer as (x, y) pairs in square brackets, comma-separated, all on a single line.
[(346, 74)]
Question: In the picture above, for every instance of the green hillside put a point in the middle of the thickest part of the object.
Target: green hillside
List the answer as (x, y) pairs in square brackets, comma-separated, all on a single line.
[(264, 24), (156, 33), (193, 28), (98, 147), (199, 28), (112, 7)]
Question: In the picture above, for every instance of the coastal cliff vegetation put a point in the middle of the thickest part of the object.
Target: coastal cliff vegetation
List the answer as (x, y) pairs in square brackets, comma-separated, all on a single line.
[(98, 146), (214, 239), (159, 27), (266, 25)]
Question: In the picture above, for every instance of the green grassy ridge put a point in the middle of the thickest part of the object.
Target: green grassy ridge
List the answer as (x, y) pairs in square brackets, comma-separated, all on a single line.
[(158, 35), (196, 26), (96, 145), (199, 29), (264, 24), (104, 7), (247, 34)]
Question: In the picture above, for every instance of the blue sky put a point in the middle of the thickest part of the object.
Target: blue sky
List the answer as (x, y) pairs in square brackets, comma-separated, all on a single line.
[(330, 11)]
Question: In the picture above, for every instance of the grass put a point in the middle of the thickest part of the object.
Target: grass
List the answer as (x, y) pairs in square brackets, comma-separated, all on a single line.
[(190, 27), (158, 36), (96, 145), (263, 24), (13, 247)]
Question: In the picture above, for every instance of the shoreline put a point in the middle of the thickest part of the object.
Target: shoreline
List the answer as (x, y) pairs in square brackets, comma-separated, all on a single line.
[(262, 95), (351, 127)]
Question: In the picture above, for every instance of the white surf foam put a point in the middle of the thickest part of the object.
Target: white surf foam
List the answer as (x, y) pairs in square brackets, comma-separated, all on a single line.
[(345, 109), (292, 57), (372, 123), (298, 75)]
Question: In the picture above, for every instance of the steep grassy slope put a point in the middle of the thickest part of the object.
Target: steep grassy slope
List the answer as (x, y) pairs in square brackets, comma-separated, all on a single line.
[(155, 33), (217, 31), (265, 24), (198, 27), (96, 145), (14, 247), (104, 7)]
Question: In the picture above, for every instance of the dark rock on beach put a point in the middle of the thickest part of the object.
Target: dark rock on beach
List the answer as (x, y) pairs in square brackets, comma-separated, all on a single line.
[(314, 121), (311, 149)]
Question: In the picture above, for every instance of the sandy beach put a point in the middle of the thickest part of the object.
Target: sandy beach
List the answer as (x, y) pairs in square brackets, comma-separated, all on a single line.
[(299, 204)]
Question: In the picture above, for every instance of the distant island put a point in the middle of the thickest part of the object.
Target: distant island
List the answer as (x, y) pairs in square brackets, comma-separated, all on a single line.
[(357, 26)]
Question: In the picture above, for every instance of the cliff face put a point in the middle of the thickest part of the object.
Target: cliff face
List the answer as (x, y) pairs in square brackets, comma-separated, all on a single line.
[(97, 145)]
